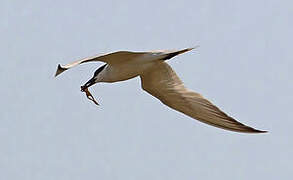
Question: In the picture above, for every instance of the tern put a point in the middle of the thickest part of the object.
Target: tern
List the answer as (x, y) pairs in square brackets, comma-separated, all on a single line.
[(159, 80)]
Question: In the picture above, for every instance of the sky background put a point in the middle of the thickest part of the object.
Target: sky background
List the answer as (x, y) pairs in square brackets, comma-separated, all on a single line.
[(49, 129)]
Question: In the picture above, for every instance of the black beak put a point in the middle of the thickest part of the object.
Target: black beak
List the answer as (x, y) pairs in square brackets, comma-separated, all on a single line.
[(88, 84)]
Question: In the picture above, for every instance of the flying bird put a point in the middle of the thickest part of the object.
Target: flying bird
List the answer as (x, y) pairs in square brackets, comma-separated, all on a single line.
[(159, 80)]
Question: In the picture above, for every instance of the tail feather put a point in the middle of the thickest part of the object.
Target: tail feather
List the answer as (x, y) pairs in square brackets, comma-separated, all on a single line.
[(176, 53)]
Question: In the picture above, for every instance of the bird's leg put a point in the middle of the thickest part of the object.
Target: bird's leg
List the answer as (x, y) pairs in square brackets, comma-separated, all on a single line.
[(88, 94)]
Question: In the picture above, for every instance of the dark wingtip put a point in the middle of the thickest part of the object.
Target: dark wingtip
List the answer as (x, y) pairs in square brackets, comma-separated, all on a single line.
[(59, 70), (260, 131), (256, 131), (194, 47)]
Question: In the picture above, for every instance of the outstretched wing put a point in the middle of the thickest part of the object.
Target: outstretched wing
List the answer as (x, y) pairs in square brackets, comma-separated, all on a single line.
[(163, 83), (110, 58)]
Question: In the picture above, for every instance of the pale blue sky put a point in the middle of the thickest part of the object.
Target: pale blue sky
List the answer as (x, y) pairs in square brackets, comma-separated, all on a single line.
[(49, 130)]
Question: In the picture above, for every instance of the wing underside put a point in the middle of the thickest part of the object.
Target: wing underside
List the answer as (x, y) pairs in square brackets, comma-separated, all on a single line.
[(163, 83)]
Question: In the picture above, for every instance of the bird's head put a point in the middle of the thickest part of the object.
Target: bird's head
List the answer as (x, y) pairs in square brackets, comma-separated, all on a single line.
[(95, 79)]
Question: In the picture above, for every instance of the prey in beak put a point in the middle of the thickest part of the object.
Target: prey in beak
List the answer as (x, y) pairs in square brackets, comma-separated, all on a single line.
[(85, 87), (91, 82)]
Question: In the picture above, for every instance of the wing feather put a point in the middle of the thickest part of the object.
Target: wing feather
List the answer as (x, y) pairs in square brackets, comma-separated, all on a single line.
[(163, 83), (120, 56), (109, 58)]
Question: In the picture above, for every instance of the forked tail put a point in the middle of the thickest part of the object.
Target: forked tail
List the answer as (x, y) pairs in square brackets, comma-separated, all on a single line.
[(172, 54)]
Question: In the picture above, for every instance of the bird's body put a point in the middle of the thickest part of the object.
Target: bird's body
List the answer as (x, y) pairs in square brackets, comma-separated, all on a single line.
[(124, 71), (161, 81)]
